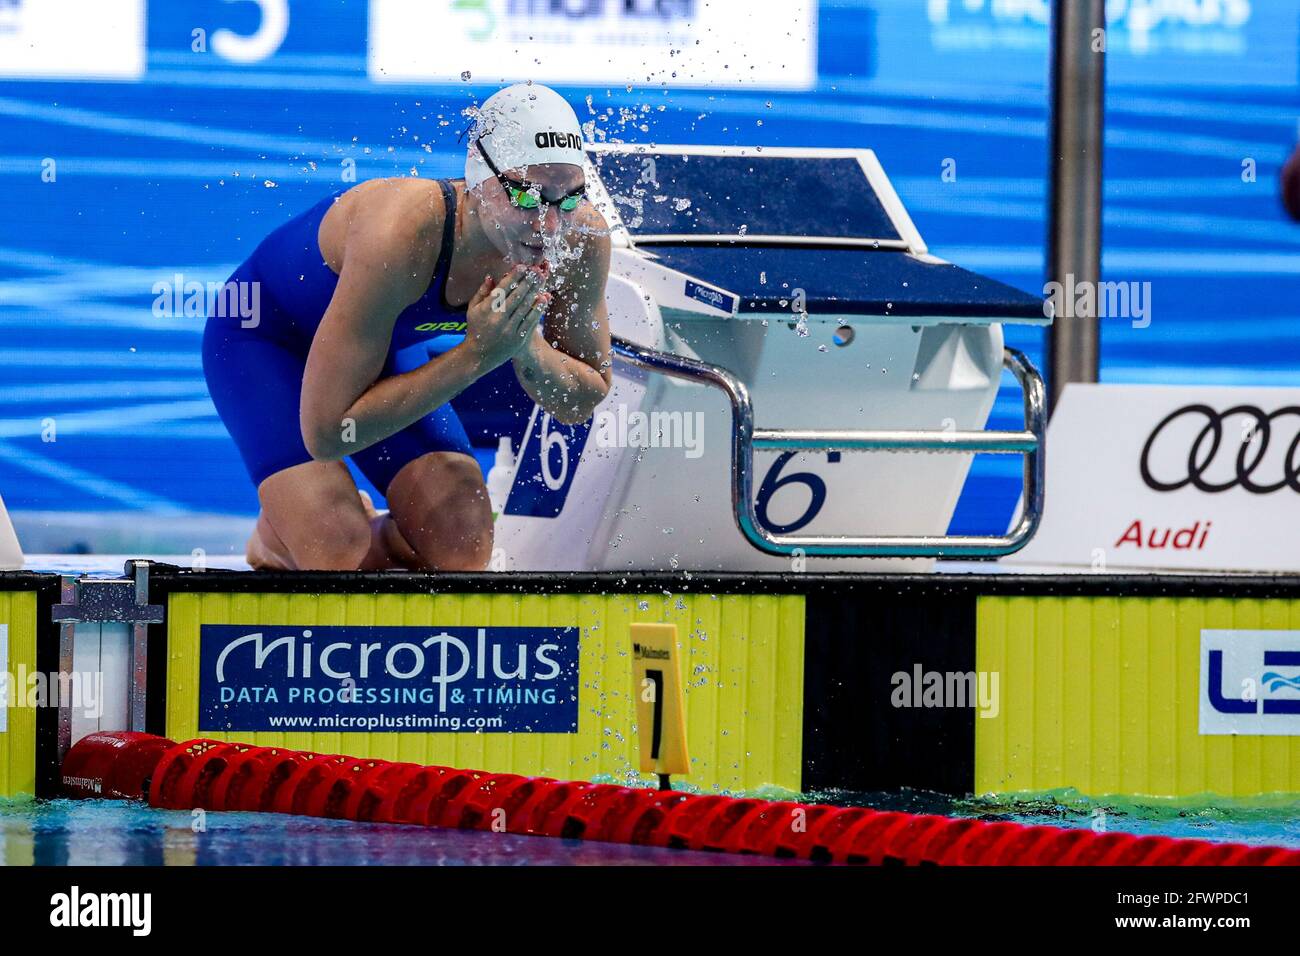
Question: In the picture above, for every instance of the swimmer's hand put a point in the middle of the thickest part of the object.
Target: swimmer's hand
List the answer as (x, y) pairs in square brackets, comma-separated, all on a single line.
[(503, 316)]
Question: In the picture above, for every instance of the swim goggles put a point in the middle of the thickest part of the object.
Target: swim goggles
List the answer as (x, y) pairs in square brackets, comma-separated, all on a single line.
[(525, 196)]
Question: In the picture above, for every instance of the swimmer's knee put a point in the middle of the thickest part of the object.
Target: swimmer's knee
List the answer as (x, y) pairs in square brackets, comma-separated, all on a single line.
[(450, 530), (337, 543), (464, 541), (460, 537)]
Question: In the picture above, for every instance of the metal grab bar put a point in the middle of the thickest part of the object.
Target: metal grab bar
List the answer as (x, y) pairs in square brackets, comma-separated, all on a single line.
[(745, 438)]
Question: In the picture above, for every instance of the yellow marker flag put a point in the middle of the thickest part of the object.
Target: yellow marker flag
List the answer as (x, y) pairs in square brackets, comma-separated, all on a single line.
[(660, 707)]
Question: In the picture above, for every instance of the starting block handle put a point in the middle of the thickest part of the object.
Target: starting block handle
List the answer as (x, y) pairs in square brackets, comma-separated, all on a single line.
[(1029, 442)]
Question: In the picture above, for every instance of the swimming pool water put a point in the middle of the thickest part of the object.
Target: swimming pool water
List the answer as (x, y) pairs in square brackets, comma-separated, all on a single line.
[(119, 833), (1269, 821)]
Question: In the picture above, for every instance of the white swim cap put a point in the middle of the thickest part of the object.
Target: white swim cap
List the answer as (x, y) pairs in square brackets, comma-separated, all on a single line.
[(523, 125)]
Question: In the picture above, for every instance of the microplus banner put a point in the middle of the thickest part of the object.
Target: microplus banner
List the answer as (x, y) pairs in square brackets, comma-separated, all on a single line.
[(660, 42), (1179, 477), (388, 679)]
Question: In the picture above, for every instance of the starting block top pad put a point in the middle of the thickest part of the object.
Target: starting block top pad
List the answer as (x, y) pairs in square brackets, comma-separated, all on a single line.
[(762, 223), (849, 281)]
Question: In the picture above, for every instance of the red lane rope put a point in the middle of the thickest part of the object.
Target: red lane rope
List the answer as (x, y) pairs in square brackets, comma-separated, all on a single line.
[(214, 775)]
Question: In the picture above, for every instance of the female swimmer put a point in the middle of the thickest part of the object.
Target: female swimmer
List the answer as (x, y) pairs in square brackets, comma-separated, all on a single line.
[(512, 260)]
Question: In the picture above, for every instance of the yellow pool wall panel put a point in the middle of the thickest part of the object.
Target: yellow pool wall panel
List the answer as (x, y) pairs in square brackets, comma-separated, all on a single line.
[(1102, 694), (18, 740), (742, 666)]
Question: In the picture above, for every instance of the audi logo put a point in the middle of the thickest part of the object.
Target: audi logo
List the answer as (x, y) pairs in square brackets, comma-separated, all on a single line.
[(1251, 445)]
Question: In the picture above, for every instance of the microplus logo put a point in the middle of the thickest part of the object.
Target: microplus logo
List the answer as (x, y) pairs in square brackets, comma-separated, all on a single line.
[(1138, 16), (441, 659), (1250, 682), (503, 679), (76, 909)]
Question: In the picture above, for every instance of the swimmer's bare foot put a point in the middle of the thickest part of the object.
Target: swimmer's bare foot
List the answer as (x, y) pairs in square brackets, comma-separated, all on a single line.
[(368, 505), (388, 549), (265, 550)]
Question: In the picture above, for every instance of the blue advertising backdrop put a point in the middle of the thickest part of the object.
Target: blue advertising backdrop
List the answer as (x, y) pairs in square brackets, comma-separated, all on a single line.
[(103, 407)]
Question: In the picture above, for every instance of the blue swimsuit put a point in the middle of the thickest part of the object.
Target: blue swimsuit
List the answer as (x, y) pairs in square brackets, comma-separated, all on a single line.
[(255, 373)]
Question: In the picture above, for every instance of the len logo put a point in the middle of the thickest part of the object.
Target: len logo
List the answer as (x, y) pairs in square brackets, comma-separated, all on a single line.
[(1250, 682)]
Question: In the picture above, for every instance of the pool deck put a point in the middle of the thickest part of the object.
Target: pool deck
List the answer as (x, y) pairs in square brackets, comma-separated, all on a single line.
[(111, 565)]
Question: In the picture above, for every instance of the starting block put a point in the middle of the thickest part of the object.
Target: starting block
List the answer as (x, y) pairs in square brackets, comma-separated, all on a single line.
[(781, 334), (11, 554)]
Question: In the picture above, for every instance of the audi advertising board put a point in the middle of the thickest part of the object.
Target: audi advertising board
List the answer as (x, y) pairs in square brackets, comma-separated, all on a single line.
[(1152, 476)]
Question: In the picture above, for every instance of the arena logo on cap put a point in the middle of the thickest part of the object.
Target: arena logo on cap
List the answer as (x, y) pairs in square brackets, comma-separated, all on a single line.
[(554, 140), (1250, 682)]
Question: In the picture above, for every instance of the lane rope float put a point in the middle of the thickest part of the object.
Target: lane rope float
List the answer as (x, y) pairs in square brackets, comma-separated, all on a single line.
[(216, 775)]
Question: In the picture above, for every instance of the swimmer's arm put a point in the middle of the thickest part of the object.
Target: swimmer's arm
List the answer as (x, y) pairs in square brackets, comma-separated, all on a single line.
[(346, 407), (567, 371)]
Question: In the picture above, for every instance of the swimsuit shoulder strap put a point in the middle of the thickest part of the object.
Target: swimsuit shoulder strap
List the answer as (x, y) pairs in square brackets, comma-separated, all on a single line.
[(448, 235)]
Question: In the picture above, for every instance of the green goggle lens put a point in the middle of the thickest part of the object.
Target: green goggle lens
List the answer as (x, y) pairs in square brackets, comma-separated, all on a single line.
[(525, 199)]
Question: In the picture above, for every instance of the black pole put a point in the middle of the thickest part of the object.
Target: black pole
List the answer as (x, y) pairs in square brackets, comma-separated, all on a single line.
[(1074, 224)]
